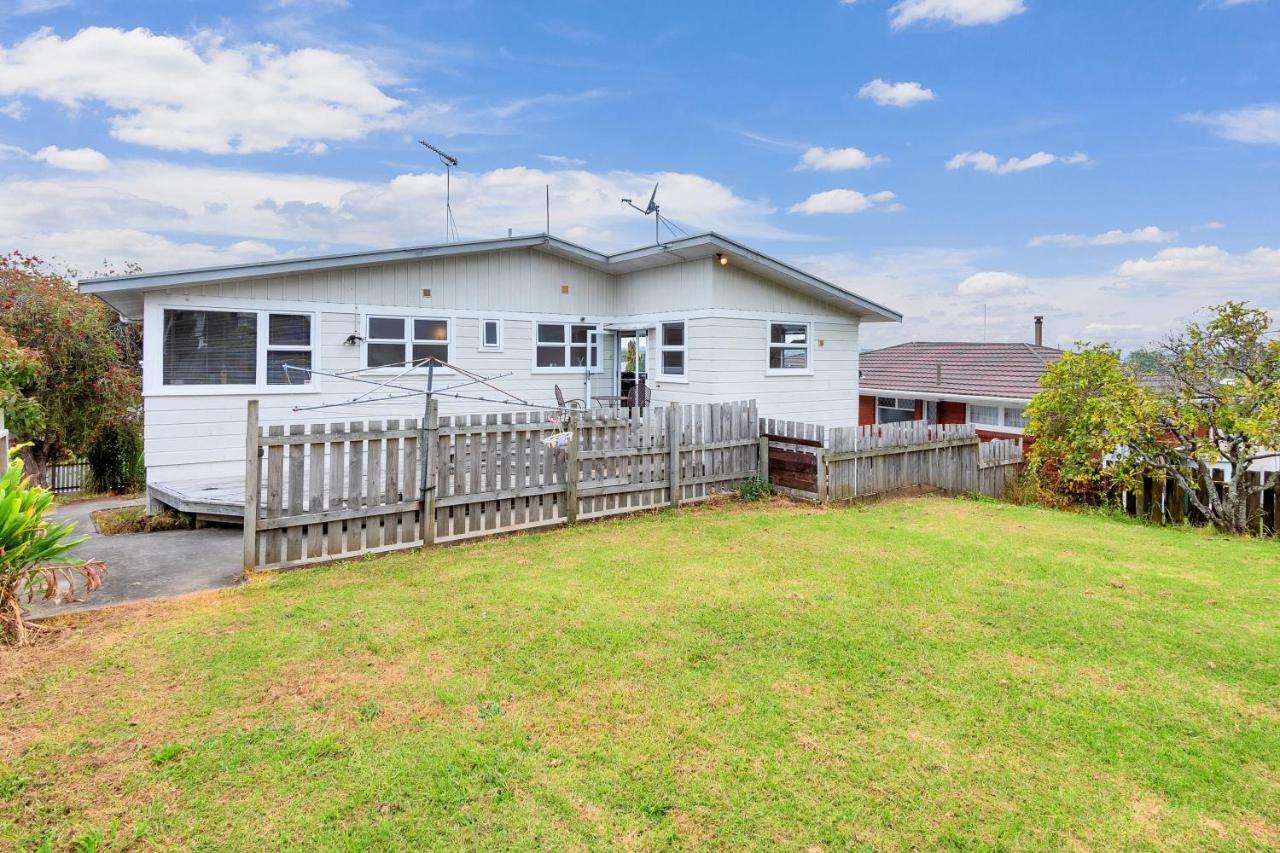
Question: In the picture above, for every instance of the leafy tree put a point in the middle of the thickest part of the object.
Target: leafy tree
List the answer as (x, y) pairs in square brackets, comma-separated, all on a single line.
[(1098, 428), (85, 382), (19, 368)]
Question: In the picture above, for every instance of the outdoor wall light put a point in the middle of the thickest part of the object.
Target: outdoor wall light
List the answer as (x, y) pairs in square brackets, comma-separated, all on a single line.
[(724, 262)]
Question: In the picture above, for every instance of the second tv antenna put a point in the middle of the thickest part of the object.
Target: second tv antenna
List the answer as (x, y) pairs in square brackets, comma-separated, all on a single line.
[(449, 161), (651, 207)]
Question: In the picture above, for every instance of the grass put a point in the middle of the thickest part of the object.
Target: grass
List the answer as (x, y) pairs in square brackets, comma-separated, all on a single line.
[(117, 521), (918, 673)]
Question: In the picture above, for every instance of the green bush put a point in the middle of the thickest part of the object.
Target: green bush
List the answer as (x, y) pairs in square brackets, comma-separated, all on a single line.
[(32, 548), (754, 489), (115, 459)]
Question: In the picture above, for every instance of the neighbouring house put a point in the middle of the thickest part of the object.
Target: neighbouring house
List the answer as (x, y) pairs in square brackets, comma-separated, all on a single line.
[(699, 320), (955, 382)]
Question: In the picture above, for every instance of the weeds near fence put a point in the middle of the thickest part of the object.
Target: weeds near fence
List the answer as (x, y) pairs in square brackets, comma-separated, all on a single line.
[(755, 489)]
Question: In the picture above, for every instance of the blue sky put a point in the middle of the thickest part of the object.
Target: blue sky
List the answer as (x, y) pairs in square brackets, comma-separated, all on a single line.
[(1112, 165)]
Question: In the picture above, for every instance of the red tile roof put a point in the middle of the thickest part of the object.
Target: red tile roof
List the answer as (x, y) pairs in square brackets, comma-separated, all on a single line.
[(968, 369)]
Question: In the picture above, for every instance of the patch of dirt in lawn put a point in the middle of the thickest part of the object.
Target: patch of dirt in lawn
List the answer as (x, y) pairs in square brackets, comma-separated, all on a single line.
[(124, 520)]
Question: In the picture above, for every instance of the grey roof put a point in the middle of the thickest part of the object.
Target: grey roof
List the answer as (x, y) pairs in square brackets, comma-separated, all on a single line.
[(675, 251), (1005, 371)]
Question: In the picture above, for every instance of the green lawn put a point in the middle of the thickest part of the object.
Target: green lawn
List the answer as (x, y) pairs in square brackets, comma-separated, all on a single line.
[(917, 673)]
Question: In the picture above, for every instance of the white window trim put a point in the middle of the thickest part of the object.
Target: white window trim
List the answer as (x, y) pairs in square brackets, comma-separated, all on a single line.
[(265, 346), (568, 342), (153, 359), (408, 341), (999, 407), (897, 406), (662, 374), (484, 347), (769, 347)]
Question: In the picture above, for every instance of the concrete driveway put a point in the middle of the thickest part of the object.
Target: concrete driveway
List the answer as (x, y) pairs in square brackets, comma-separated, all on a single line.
[(148, 565)]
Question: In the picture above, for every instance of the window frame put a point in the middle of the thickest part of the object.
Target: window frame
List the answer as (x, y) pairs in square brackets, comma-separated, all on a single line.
[(407, 341), (1002, 409), (593, 354), (770, 346), (484, 346), (663, 349), (266, 347), (153, 359), (897, 407)]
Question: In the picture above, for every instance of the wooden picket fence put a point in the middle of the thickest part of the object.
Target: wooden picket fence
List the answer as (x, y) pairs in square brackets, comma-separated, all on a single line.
[(846, 463), (1164, 501), (333, 491)]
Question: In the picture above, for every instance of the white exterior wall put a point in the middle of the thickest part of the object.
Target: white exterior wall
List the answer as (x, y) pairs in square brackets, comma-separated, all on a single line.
[(197, 432)]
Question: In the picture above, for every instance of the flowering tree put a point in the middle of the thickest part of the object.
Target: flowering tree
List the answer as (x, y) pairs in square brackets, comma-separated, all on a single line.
[(82, 383), (1216, 403)]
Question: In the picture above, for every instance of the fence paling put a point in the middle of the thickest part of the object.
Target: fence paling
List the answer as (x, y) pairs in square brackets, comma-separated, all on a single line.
[(335, 491), (1162, 500), (844, 463)]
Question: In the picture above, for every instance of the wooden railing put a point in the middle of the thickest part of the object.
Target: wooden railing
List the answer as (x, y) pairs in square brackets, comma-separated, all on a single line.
[(328, 492)]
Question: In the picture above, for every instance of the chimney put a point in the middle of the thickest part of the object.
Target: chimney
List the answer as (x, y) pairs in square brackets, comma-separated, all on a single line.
[(1039, 330)]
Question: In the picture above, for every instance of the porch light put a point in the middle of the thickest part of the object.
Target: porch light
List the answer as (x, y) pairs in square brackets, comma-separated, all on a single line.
[(724, 262)]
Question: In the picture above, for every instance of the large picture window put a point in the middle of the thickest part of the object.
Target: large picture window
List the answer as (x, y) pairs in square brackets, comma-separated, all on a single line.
[(399, 341), (788, 346), (565, 345), (984, 415), (210, 347), (672, 345)]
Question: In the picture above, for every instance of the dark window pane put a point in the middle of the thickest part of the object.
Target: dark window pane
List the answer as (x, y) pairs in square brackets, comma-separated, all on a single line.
[(673, 334), (788, 333), (552, 356), (673, 362), (580, 334), (386, 355), (491, 333), (439, 352), (290, 330), (431, 330), (550, 333), (788, 358), (887, 402), (894, 416), (578, 356), (278, 375), (386, 328), (210, 348)]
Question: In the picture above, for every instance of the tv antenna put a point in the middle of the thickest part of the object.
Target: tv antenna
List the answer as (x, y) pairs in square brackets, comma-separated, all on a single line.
[(449, 161), (651, 207)]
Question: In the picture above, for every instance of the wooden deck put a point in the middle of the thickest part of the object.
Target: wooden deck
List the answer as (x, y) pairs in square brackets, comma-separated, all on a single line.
[(216, 499)]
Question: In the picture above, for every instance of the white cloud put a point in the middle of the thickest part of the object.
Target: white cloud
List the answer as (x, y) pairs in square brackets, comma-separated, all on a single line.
[(983, 162), (1115, 237), (840, 201), (1204, 267), (961, 13), (200, 94), (558, 160), (32, 7), (895, 94), (837, 159), (74, 159), (1258, 124), (1226, 4), (190, 211), (985, 285)]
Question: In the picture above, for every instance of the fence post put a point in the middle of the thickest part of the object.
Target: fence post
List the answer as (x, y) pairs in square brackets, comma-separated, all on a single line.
[(572, 470), (763, 452), (820, 460), (252, 474), (427, 473), (673, 453)]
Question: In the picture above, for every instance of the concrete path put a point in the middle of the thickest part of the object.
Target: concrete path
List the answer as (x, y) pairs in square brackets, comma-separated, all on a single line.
[(148, 565)]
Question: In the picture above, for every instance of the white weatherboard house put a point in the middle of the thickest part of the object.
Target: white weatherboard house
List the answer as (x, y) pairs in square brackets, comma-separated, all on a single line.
[(706, 318)]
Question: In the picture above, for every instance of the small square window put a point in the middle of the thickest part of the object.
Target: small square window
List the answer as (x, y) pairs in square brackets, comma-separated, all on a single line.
[(386, 328), (491, 334)]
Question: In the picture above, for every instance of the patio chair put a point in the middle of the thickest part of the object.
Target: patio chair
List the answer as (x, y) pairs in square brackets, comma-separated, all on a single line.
[(568, 404), (639, 396)]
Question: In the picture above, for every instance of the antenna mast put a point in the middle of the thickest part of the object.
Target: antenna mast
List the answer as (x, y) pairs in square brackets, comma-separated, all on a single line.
[(449, 161)]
